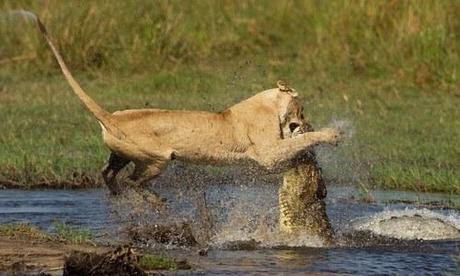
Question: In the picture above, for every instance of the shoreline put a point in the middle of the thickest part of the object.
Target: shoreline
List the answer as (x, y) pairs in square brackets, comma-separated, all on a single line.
[(96, 183), (54, 185)]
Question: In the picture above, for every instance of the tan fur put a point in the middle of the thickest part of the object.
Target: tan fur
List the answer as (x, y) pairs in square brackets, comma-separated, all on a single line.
[(250, 131)]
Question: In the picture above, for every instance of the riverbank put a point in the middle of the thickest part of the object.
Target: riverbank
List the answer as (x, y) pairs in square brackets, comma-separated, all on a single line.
[(25, 249)]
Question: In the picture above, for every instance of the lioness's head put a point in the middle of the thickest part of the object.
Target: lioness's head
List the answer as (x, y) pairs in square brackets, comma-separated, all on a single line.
[(292, 119)]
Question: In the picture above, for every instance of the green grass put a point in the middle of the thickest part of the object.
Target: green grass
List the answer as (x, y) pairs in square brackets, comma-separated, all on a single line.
[(157, 262), (404, 138), (23, 230), (415, 41), (389, 69), (71, 234), (63, 232)]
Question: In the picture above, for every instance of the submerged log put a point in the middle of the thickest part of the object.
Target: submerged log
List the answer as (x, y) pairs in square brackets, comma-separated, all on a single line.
[(301, 200)]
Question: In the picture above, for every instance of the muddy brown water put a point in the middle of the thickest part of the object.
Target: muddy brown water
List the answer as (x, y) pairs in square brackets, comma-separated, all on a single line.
[(244, 211)]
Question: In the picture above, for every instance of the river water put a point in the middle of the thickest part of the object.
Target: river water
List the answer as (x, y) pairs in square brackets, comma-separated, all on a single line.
[(243, 212)]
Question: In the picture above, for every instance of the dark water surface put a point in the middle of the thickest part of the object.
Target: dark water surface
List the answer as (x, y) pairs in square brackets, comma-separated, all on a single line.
[(43, 208), (243, 213)]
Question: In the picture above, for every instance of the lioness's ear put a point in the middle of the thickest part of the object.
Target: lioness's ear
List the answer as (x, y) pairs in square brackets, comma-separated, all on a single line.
[(284, 87)]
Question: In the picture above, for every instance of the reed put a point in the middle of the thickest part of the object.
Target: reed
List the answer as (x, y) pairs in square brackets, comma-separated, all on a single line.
[(416, 41)]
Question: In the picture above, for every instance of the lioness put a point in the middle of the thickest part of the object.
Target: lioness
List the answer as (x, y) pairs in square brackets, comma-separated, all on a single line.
[(250, 131)]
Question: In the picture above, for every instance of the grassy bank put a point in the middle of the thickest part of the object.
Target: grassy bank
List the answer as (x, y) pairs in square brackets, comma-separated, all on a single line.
[(389, 69)]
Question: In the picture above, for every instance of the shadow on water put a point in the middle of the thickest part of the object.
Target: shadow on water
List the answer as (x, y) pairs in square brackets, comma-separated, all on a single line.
[(224, 206)]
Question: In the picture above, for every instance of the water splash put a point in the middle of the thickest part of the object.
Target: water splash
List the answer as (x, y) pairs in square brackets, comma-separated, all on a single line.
[(346, 126), (245, 223), (221, 206), (412, 223), (340, 164)]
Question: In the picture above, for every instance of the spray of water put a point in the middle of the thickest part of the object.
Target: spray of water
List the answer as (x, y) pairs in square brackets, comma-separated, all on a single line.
[(220, 205), (340, 164), (411, 223)]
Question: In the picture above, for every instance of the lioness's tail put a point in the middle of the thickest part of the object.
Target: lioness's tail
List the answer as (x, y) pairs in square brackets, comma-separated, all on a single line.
[(104, 117)]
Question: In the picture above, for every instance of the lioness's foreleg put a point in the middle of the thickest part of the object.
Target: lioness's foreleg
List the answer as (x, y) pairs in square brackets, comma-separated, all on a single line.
[(275, 157), (113, 167)]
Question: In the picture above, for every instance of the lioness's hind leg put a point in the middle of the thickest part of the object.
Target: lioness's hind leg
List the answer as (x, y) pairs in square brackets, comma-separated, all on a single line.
[(142, 175), (113, 167)]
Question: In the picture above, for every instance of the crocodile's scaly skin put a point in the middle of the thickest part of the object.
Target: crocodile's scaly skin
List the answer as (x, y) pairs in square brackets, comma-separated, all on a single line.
[(301, 200)]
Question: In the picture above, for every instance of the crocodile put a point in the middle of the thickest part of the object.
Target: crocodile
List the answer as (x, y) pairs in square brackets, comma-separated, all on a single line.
[(302, 200)]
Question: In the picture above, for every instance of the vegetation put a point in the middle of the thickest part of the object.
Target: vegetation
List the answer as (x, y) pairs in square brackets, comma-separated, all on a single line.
[(23, 230), (157, 262), (389, 69), (71, 234), (63, 232)]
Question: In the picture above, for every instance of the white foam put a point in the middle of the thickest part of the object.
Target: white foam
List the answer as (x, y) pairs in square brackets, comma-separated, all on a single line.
[(245, 223), (267, 237), (412, 223)]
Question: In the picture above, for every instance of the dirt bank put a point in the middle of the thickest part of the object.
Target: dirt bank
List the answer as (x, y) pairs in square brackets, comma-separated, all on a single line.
[(20, 254), (25, 249)]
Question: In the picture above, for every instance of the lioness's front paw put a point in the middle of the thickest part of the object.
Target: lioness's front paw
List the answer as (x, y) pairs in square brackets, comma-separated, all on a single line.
[(332, 136)]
